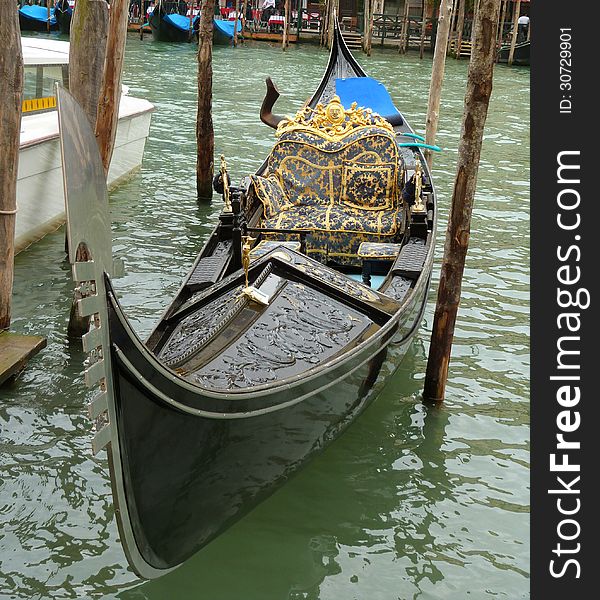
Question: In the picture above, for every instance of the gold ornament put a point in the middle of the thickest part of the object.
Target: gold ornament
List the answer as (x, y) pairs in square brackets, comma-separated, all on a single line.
[(333, 121)]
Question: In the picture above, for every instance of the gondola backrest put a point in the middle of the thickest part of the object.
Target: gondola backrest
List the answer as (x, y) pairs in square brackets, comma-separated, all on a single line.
[(331, 156)]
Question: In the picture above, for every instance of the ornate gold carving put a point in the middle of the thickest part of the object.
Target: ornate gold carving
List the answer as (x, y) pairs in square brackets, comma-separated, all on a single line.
[(418, 206), (332, 120), (246, 249), (226, 192), (250, 291)]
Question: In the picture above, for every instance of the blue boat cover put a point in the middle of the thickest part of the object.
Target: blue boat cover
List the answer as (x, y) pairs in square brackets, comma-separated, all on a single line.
[(368, 93), (38, 13), (178, 21), (226, 27)]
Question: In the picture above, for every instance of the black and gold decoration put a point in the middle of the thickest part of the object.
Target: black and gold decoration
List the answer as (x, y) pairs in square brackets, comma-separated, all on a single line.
[(336, 173)]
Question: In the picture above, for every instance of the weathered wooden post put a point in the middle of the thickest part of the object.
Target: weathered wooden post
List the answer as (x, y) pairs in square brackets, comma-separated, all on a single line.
[(405, 26), (475, 9), (333, 14), (110, 91), (235, 23), (423, 26), (460, 23), (89, 30), (515, 30), (205, 136), (286, 25), (368, 26), (500, 35), (437, 76), (477, 98), (11, 93), (452, 24), (324, 24), (367, 9), (142, 18)]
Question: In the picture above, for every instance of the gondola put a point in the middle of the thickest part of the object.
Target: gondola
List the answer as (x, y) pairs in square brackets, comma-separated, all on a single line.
[(223, 31), (168, 25), (521, 54), (295, 313), (35, 18), (63, 14)]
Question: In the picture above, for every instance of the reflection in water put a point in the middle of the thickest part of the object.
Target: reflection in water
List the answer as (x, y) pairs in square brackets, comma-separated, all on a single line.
[(411, 502)]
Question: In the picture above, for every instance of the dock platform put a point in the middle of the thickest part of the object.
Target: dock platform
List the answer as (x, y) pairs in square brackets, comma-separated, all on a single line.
[(15, 352)]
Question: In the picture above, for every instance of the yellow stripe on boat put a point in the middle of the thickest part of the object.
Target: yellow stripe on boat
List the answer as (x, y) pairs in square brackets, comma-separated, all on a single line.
[(39, 104)]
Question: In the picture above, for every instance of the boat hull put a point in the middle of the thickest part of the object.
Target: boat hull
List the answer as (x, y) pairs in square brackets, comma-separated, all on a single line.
[(163, 31), (520, 57), (40, 194), (64, 21), (219, 467), (237, 387), (223, 32), (27, 24)]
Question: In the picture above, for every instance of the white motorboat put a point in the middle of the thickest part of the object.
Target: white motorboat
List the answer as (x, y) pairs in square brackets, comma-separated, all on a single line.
[(40, 194)]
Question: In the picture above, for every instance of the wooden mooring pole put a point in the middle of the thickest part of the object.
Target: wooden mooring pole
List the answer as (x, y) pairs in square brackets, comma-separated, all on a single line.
[(500, 35), (452, 24), (404, 32), (205, 135), (477, 98), (333, 15), (286, 25), (423, 27), (110, 90), (460, 23), (15, 349), (235, 23), (11, 93), (368, 27), (87, 51), (437, 76), (515, 30)]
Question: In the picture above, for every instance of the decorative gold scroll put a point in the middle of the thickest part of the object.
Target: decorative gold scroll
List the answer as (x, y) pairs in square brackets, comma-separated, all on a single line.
[(333, 121)]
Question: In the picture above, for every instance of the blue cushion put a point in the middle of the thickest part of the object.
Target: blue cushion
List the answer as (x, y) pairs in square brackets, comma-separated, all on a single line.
[(368, 93), (178, 21)]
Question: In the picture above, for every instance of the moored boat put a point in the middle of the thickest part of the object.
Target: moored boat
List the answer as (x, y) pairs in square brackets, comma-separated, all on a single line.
[(63, 12), (521, 54), (168, 25), (40, 195), (223, 31), (36, 18), (296, 312)]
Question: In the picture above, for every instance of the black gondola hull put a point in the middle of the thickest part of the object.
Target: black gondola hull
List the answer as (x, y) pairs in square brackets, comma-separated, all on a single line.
[(231, 395), (27, 24), (163, 31), (64, 21), (520, 57), (217, 469)]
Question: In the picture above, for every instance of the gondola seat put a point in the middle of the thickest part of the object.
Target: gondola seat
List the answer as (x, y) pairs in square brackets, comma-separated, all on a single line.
[(336, 174)]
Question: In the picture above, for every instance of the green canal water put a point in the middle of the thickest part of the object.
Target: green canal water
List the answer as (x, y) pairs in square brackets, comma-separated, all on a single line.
[(411, 502)]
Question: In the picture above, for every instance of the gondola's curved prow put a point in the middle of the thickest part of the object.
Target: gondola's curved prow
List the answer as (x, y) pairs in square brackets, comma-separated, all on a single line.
[(341, 64)]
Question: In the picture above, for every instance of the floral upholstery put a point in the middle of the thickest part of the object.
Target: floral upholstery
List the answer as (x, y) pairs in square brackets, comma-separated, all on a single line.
[(343, 189)]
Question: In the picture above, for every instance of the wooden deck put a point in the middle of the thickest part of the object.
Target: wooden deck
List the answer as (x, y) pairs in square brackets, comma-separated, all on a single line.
[(135, 28), (269, 37), (15, 351)]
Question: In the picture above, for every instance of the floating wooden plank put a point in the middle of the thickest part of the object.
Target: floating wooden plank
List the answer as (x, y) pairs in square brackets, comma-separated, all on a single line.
[(15, 351)]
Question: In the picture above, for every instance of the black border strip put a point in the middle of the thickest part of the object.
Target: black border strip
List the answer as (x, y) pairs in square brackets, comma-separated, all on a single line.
[(553, 248)]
